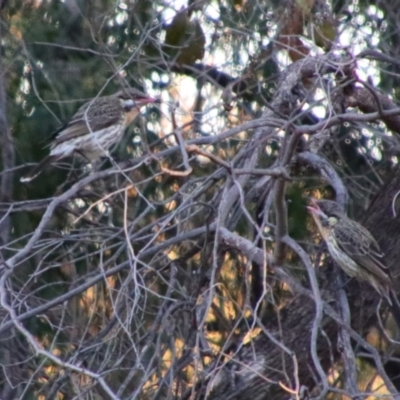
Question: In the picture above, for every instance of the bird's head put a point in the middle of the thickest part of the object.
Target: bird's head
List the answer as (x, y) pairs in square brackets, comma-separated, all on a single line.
[(131, 101), (134, 98), (326, 213)]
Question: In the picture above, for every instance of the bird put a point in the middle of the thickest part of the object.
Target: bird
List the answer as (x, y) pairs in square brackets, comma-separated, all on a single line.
[(94, 128), (354, 249)]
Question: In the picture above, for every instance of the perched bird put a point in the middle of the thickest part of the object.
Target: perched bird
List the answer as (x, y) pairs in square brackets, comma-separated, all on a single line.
[(354, 249), (94, 128)]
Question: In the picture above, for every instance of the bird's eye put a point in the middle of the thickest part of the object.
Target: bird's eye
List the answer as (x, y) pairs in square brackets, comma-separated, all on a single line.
[(328, 222), (129, 104), (324, 222)]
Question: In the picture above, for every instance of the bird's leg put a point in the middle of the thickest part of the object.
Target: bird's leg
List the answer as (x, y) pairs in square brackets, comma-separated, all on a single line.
[(93, 164), (97, 164)]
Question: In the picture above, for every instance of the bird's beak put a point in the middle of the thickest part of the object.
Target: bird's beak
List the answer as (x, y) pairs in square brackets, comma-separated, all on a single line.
[(146, 100), (138, 102), (314, 209)]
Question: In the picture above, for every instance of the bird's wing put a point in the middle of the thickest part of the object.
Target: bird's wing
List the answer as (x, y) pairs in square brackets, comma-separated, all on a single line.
[(359, 244), (90, 117)]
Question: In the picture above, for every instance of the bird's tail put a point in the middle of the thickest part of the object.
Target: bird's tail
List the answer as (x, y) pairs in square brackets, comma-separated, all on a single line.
[(34, 172), (395, 307)]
